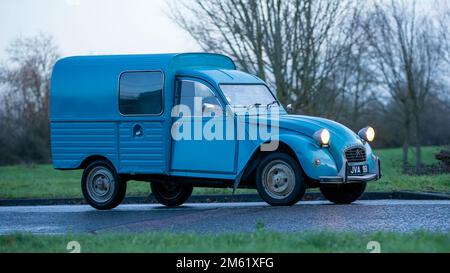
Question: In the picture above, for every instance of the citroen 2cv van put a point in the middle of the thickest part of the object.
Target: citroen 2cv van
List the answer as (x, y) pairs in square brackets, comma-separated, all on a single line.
[(144, 118)]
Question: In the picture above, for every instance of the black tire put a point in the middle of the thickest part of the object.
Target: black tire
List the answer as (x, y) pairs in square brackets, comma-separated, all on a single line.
[(100, 176), (277, 167), (171, 194), (343, 193)]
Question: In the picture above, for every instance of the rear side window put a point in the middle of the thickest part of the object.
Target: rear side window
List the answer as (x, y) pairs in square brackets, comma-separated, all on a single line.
[(140, 93)]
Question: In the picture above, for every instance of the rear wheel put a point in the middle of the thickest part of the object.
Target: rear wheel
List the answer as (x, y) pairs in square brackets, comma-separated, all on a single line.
[(343, 193), (279, 180), (101, 185), (171, 194)]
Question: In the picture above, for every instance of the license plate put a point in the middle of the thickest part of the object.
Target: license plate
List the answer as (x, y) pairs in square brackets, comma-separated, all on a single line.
[(357, 169)]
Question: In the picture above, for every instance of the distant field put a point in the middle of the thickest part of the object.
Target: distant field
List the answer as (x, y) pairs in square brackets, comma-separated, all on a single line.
[(260, 241), (393, 179), (42, 181)]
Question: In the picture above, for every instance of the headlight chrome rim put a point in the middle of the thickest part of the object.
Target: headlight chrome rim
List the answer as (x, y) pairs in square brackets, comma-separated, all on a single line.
[(367, 134), (323, 137)]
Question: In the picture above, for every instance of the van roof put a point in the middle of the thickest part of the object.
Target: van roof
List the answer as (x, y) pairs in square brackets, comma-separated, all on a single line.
[(153, 61), (221, 76), (86, 87)]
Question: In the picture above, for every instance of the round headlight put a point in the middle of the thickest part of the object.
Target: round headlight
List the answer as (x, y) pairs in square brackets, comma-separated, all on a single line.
[(367, 133), (322, 137)]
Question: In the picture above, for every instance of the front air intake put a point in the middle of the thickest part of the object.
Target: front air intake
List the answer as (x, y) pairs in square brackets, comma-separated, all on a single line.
[(354, 155)]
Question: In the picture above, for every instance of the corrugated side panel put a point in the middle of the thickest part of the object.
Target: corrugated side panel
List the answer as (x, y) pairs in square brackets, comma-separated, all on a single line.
[(142, 155), (74, 141)]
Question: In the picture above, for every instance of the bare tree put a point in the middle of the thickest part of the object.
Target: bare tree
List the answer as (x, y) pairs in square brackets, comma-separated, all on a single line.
[(406, 53), (25, 100), (444, 24), (354, 81), (295, 45)]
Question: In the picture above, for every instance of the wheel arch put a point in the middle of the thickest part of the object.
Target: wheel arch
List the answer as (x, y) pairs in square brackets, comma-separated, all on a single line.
[(249, 171), (88, 160)]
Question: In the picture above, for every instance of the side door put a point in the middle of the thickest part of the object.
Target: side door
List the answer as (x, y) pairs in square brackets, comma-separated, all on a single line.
[(141, 133), (197, 150)]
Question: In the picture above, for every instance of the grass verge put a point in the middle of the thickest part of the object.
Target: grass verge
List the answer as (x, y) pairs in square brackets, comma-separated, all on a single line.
[(260, 241), (394, 180)]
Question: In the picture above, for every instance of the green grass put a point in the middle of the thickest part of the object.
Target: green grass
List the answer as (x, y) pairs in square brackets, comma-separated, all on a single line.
[(394, 180), (43, 181), (260, 241)]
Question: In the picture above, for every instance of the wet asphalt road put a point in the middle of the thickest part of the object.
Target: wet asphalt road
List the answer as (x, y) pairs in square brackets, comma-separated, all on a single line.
[(362, 216)]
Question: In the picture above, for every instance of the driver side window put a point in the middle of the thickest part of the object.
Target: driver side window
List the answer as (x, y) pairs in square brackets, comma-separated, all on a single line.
[(188, 91)]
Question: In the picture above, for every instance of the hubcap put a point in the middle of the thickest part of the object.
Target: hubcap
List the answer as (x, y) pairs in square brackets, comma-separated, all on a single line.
[(278, 179), (170, 190), (100, 184)]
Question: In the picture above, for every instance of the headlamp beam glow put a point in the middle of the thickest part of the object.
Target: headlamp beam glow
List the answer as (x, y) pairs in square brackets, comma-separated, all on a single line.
[(367, 133), (322, 137)]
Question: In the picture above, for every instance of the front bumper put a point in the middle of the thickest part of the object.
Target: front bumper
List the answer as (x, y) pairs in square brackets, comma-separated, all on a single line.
[(342, 177)]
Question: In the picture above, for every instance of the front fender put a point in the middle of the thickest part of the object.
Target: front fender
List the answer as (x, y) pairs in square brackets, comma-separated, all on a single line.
[(307, 151)]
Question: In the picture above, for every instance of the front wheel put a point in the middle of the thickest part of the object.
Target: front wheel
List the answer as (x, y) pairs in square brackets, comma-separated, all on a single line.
[(171, 194), (279, 180), (343, 193)]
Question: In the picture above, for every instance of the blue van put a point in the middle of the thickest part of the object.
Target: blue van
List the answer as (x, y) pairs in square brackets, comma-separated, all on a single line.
[(125, 117)]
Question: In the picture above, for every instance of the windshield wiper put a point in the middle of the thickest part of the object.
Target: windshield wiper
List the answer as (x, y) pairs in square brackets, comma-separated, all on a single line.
[(272, 103)]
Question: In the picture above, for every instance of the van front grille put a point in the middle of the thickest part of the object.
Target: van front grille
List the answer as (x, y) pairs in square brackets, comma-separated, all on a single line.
[(357, 154)]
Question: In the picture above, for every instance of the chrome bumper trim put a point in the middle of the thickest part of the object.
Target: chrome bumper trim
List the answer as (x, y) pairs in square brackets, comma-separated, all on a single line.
[(342, 177)]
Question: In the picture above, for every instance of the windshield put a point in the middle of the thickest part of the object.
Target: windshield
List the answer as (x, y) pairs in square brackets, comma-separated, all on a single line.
[(245, 95)]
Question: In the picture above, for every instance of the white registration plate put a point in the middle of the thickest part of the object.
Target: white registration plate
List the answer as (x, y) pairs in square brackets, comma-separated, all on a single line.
[(357, 169)]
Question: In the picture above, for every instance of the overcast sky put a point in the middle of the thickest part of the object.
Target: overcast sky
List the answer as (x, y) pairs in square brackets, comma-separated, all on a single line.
[(99, 26), (95, 26)]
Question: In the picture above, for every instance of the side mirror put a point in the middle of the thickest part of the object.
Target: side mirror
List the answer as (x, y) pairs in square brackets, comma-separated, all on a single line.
[(289, 107), (209, 108)]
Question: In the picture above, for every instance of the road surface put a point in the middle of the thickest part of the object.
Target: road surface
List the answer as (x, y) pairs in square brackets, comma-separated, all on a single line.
[(362, 216)]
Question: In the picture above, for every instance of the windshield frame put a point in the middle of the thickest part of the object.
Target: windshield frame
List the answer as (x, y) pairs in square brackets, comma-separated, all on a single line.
[(246, 106)]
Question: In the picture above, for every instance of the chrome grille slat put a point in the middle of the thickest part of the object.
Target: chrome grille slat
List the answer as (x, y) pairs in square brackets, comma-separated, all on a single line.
[(357, 154)]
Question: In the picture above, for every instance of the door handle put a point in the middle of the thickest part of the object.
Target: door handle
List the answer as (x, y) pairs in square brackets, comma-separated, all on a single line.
[(138, 131)]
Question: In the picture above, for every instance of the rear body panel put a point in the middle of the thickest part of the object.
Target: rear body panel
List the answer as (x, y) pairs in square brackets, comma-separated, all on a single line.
[(145, 154), (84, 113), (72, 142)]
